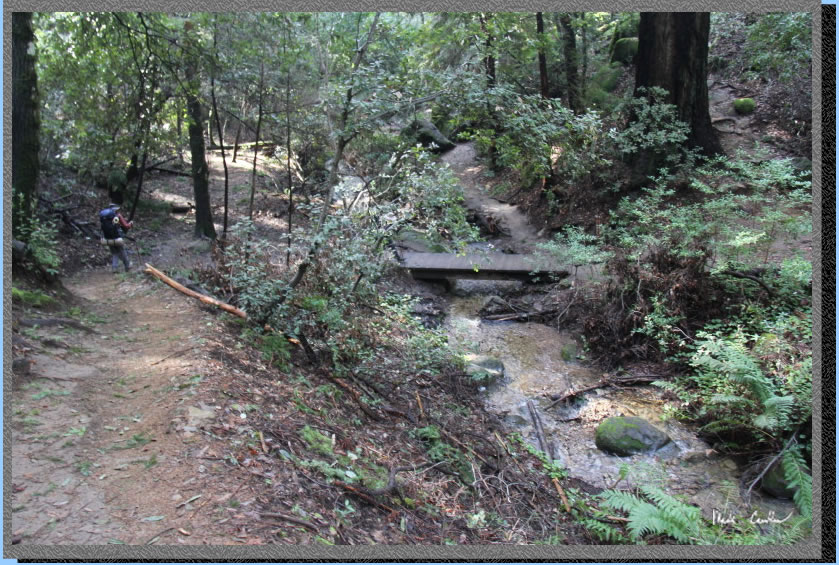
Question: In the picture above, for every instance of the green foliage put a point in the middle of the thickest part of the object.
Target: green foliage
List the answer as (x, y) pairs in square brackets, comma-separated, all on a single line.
[(780, 43), (651, 126), (41, 237), (551, 468), (32, 297), (655, 513), (798, 478), (744, 105), (749, 385), (624, 50), (318, 442), (572, 246), (538, 138), (274, 346), (438, 450)]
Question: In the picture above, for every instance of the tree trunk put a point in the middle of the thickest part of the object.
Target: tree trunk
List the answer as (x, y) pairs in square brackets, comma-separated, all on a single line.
[(220, 135), (569, 52), (139, 186), (673, 54), (210, 117), (200, 173), (543, 60), (584, 74), (25, 121), (180, 111), (288, 146), (489, 69), (256, 141)]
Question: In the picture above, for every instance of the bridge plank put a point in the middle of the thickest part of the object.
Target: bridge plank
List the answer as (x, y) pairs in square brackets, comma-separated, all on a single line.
[(489, 266)]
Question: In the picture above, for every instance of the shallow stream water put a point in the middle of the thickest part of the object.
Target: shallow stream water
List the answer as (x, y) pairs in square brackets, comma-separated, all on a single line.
[(541, 361)]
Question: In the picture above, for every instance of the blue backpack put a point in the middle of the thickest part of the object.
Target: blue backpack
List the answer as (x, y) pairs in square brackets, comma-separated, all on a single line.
[(110, 223)]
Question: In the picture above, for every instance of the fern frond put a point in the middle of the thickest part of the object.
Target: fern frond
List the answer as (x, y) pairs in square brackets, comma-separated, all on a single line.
[(729, 399), (797, 478), (777, 411), (620, 500), (602, 531)]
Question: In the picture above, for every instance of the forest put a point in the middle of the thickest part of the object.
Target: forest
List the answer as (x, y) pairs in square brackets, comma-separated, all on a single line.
[(412, 278)]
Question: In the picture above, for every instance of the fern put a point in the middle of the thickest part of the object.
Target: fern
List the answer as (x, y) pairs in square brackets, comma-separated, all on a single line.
[(603, 531), (795, 472), (777, 413), (665, 515)]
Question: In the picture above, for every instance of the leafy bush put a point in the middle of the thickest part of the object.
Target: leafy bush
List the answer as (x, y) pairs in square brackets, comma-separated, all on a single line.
[(41, 236), (755, 386), (329, 309), (651, 125), (781, 43)]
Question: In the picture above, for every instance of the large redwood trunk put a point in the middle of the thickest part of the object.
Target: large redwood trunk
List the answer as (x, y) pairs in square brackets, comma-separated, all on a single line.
[(25, 121), (673, 54)]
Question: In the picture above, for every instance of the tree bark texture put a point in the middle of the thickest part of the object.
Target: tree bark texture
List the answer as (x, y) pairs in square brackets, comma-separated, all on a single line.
[(25, 119), (673, 54), (543, 60), (200, 173), (569, 52)]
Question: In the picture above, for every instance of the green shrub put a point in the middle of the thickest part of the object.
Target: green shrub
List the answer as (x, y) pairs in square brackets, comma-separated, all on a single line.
[(625, 50), (32, 298), (780, 43), (606, 78), (744, 105), (41, 237)]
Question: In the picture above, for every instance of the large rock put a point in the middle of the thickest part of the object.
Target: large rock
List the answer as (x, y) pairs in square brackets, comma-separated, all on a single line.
[(625, 50), (427, 134), (775, 483), (484, 370), (627, 435)]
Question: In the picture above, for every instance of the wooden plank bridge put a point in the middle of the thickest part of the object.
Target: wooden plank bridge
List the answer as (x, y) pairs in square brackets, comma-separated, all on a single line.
[(491, 266)]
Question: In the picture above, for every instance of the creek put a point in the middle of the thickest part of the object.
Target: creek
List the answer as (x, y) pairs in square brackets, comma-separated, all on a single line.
[(540, 360)]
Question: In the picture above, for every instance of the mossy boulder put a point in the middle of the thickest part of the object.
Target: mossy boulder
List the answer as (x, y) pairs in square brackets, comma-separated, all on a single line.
[(775, 483), (744, 105), (484, 370), (627, 435), (625, 50)]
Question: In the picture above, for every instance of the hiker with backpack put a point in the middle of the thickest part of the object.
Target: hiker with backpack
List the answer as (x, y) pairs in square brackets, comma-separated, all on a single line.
[(114, 227)]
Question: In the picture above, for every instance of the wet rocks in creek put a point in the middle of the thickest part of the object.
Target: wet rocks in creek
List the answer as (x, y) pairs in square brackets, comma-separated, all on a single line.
[(628, 435), (484, 370)]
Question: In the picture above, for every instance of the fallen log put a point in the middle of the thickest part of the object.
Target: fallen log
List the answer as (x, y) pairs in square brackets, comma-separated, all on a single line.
[(545, 446), (520, 315), (203, 298), (611, 381), (170, 171)]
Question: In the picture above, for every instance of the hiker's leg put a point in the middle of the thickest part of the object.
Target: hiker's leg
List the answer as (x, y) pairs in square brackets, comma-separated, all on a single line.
[(114, 258), (124, 256)]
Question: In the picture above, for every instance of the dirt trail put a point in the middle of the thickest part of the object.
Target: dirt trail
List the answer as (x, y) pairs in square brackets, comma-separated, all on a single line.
[(105, 426), (465, 164)]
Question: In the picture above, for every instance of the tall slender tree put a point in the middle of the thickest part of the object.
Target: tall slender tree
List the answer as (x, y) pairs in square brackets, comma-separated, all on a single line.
[(200, 174), (569, 52), (543, 60), (25, 121)]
